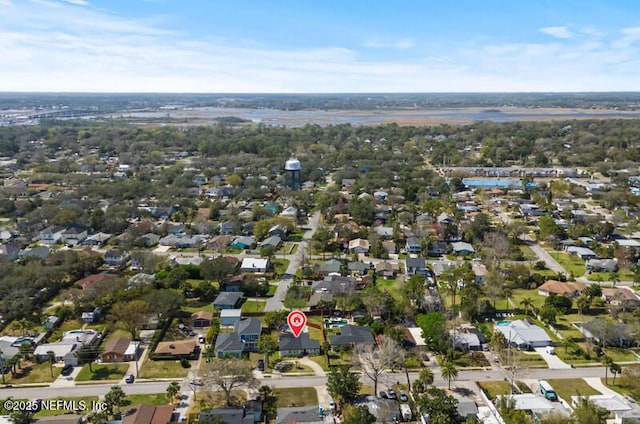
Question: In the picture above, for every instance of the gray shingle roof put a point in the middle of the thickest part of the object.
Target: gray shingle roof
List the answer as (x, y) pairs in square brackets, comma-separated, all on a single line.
[(228, 298), (352, 334), (290, 342)]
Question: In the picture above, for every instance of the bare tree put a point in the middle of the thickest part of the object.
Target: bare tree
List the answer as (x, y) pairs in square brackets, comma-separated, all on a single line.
[(229, 374), (375, 362), (497, 247)]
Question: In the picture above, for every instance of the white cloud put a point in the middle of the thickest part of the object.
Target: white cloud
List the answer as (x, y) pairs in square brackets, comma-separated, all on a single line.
[(68, 48), (402, 44), (77, 2), (557, 32)]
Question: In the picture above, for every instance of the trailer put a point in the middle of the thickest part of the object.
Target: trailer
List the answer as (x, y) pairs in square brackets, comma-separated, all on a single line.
[(406, 412)]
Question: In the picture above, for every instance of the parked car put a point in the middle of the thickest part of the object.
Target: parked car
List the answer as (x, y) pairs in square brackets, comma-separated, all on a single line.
[(129, 378), (384, 395), (392, 394), (332, 405), (403, 396), (67, 370)]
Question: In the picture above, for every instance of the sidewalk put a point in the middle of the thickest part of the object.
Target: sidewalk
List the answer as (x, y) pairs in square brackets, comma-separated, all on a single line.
[(597, 384)]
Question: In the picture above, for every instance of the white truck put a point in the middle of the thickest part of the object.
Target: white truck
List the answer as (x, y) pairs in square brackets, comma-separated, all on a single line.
[(406, 412)]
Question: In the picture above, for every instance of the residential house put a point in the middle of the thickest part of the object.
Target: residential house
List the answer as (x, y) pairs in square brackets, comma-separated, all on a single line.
[(413, 245), (228, 228), (623, 297), (41, 252), (524, 335), (244, 338), (462, 248), (90, 317), (224, 416), (358, 268), (437, 248), (51, 235), (289, 345), (180, 241), (97, 239), (147, 240), (385, 233), (116, 258), (227, 300), (389, 247), (387, 269), (351, 336), (320, 300), (177, 349), (332, 266), (60, 351), (233, 283), (559, 288), (622, 409), (359, 246), (278, 230), (581, 252), (301, 414), (94, 279), (201, 319), (616, 333), (10, 251), (148, 414), (254, 265), (219, 243), (602, 265), (120, 349), (272, 242), (229, 317), (415, 266), (73, 235), (336, 285), (480, 271), (243, 242)]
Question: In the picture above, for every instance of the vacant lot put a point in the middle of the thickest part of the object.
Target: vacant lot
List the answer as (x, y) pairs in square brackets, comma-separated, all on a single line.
[(102, 372)]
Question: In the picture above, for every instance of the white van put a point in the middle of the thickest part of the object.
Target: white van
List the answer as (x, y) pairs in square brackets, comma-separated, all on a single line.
[(551, 350)]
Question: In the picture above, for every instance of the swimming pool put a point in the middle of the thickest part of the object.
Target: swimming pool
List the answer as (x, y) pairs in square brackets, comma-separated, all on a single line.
[(503, 323)]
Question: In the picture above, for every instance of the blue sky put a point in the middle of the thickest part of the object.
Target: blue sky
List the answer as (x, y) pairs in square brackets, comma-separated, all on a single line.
[(319, 46)]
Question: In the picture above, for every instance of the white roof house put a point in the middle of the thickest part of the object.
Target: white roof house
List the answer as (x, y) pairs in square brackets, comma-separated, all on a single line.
[(59, 350), (523, 334), (254, 265)]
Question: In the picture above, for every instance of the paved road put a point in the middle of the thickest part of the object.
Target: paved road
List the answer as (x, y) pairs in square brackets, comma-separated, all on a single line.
[(544, 256), (275, 303), (297, 381)]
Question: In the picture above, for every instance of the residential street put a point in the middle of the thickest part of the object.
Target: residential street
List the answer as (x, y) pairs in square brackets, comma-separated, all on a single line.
[(275, 303)]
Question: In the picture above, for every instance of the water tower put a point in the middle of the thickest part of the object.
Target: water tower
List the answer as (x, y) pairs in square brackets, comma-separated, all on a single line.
[(292, 178)]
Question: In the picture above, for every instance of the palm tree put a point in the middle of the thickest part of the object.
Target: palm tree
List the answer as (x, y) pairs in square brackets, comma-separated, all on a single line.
[(526, 303), (606, 362), (52, 358), (449, 371), (615, 370), (172, 390)]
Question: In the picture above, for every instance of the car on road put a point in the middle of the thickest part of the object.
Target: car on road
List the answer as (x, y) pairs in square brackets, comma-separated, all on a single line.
[(392, 394), (129, 378), (384, 395), (403, 396), (67, 370)]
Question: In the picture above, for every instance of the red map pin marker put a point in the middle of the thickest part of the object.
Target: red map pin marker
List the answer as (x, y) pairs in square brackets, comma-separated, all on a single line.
[(296, 320)]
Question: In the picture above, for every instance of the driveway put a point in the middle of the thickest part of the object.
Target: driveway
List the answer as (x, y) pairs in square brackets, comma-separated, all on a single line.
[(552, 361)]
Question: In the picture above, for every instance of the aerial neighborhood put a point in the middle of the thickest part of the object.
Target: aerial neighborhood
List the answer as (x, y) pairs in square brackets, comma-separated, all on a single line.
[(483, 272)]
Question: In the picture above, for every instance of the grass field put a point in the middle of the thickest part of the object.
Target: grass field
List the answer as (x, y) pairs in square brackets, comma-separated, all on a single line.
[(102, 372), (299, 396), (33, 373), (568, 387), (162, 369), (570, 263), (280, 265), (623, 275), (495, 388), (79, 405), (253, 306), (148, 399)]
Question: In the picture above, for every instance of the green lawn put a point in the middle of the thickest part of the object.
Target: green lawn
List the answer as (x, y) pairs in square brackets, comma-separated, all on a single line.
[(470, 359), (519, 294), (253, 306), (623, 275), (280, 265), (495, 388), (299, 396), (194, 305), (320, 360), (391, 286), (568, 387), (149, 399), (102, 372), (33, 373), (622, 389), (82, 404), (620, 354), (522, 359), (272, 290), (162, 369), (570, 263)]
